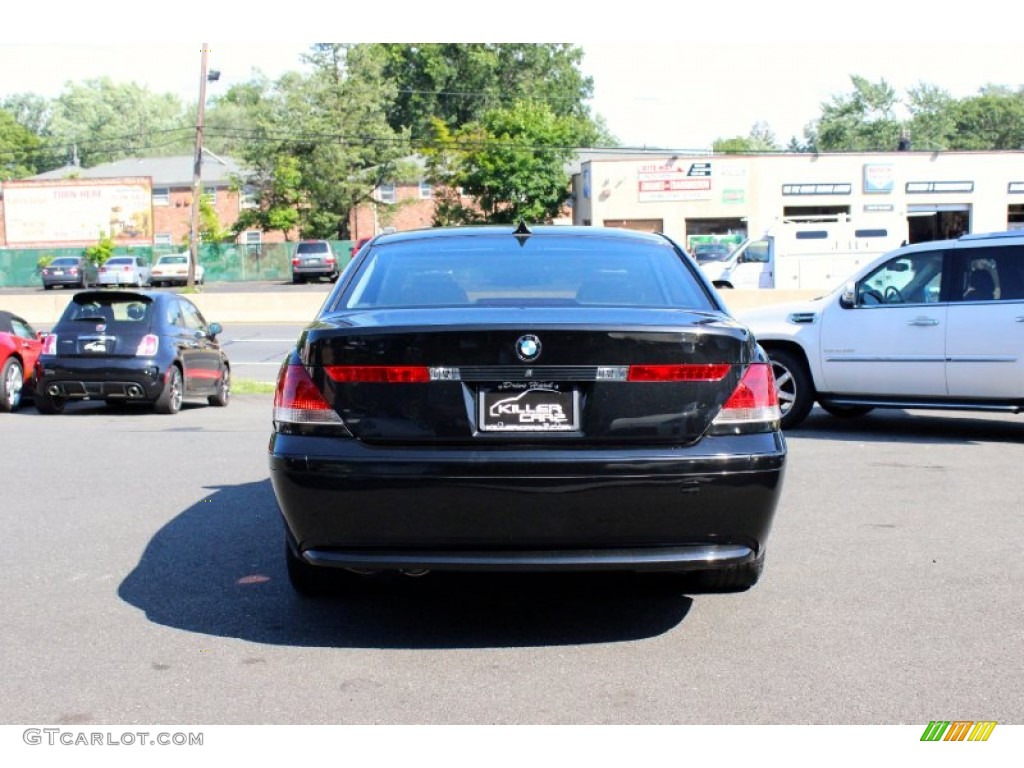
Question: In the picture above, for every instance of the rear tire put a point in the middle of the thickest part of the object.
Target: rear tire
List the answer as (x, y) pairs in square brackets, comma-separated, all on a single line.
[(12, 381), (306, 579), (734, 578), (49, 405), (793, 383), (169, 402), (223, 396), (847, 411)]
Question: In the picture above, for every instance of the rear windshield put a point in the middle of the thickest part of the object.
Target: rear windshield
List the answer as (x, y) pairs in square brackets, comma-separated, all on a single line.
[(65, 261), (110, 309), (312, 248), (120, 260), (173, 260), (552, 271)]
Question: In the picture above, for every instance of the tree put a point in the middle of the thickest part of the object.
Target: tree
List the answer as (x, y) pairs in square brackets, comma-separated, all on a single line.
[(513, 162), (459, 82), (18, 147), (100, 121), (863, 120), (278, 198), (932, 120), (994, 119), (760, 139), (333, 124)]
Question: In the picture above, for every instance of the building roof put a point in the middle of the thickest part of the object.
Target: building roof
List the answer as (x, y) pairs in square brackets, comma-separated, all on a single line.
[(175, 171)]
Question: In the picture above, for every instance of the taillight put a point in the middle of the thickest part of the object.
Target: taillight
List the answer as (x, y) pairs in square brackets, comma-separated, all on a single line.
[(298, 401), (73, 271), (295, 262), (50, 344), (126, 268), (755, 399), (378, 374), (148, 346), (329, 259), (691, 372)]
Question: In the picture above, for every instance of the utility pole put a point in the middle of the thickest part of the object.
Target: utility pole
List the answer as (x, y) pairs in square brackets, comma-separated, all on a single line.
[(197, 177)]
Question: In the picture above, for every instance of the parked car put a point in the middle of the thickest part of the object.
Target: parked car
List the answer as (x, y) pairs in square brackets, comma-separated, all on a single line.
[(931, 325), (19, 350), (357, 245), (72, 271), (561, 398), (132, 346), (705, 252), (172, 269), (124, 270), (314, 258)]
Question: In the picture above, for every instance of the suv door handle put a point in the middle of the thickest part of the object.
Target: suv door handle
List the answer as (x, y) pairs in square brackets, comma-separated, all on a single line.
[(923, 321)]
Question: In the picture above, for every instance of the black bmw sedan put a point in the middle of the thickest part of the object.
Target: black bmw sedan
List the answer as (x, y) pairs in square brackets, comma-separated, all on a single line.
[(555, 398), (132, 346)]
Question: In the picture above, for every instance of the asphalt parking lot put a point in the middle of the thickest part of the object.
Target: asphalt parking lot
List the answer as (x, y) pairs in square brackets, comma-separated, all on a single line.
[(143, 582)]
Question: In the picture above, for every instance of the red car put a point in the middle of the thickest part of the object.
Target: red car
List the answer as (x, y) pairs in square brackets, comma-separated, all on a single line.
[(358, 244), (19, 350)]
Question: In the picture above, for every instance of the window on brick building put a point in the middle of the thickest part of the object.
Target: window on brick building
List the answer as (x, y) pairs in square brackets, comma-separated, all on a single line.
[(426, 190), (248, 198), (163, 238), (386, 193), (161, 195)]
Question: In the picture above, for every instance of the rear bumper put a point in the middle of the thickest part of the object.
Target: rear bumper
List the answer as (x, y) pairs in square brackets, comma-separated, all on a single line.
[(317, 271), (349, 505), (64, 280), (119, 279), (84, 379)]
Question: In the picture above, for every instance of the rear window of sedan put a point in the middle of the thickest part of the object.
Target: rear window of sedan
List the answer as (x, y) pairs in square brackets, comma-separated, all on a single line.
[(172, 260), (544, 271), (120, 260), (65, 261)]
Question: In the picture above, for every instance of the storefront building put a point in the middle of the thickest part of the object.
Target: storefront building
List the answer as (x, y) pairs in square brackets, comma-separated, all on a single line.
[(698, 198)]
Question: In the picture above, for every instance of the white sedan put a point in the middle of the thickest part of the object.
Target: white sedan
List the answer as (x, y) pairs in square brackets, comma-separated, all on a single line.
[(173, 269)]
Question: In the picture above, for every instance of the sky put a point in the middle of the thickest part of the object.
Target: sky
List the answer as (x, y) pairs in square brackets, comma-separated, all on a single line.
[(674, 80)]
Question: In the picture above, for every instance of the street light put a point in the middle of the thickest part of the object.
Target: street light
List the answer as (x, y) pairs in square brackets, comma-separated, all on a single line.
[(197, 171)]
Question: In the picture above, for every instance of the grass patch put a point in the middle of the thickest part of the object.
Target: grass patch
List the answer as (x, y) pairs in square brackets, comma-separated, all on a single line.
[(252, 387)]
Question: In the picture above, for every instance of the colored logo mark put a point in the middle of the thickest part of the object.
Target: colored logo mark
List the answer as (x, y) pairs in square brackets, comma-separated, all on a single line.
[(958, 730)]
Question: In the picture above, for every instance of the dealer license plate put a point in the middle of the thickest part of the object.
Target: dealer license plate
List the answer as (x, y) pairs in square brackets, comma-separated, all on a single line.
[(530, 409)]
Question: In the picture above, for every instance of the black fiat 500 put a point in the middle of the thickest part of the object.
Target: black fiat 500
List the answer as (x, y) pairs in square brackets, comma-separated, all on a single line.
[(561, 398), (132, 346)]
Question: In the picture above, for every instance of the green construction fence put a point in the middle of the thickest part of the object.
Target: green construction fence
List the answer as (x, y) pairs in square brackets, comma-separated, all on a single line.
[(231, 262)]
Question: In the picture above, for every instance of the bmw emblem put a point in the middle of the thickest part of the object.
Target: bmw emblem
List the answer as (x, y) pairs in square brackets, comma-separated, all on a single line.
[(528, 348)]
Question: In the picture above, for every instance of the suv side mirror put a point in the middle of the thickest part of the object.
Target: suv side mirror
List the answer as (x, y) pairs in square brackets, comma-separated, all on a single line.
[(848, 298), (215, 329)]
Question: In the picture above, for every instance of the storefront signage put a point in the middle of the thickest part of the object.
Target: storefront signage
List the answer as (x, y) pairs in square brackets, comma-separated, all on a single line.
[(658, 182), (878, 179), (817, 189), (938, 187)]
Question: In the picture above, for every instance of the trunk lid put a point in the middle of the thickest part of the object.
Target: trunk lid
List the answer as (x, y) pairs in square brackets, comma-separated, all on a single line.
[(513, 375)]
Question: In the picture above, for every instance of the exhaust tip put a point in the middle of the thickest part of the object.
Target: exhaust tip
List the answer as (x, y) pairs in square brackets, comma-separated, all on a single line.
[(53, 390)]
